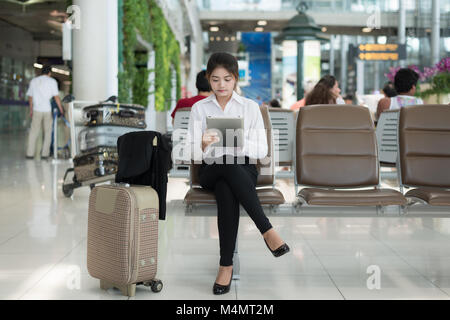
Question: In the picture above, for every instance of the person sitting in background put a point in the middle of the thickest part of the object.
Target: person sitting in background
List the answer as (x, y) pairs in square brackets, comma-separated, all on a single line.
[(389, 90), (349, 99), (274, 103), (204, 90), (309, 85), (322, 92), (333, 84), (405, 82), (326, 91)]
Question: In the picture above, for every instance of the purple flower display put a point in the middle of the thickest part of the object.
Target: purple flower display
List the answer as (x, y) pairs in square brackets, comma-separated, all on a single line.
[(391, 74), (443, 65), (427, 74)]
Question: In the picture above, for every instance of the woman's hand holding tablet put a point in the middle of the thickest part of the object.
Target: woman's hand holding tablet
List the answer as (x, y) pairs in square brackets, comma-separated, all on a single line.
[(209, 136)]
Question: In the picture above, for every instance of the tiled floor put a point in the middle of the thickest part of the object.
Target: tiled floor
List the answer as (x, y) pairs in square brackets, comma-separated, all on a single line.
[(43, 247)]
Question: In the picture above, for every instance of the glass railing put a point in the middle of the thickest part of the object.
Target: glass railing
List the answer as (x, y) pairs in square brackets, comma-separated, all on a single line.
[(364, 6)]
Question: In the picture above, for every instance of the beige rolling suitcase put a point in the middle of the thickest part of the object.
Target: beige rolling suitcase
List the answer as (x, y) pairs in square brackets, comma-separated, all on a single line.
[(122, 243)]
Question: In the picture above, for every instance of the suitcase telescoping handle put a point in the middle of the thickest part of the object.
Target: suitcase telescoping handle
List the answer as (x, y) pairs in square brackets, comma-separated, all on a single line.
[(113, 99)]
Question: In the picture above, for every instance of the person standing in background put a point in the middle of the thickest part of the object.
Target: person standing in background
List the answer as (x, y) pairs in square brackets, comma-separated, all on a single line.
[(40, 92)]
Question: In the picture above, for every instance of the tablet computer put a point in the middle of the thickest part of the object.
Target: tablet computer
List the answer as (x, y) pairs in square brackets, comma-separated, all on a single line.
[(231, 128)]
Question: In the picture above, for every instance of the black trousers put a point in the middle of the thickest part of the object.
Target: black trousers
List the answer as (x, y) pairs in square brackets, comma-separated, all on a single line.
[(233, 184)]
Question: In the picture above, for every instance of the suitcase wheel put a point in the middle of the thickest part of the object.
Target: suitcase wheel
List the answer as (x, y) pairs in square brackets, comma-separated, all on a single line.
[(67, 190), (156, 285)]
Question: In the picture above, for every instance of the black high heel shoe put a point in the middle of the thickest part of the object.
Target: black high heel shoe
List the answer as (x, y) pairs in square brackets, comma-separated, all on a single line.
[(220, 289), (284, 248)]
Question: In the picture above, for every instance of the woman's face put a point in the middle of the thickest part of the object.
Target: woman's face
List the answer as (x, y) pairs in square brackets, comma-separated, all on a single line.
[(222, 82), (335, 90)]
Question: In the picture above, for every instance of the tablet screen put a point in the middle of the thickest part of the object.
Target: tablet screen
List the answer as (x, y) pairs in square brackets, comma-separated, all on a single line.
[(230, 130)]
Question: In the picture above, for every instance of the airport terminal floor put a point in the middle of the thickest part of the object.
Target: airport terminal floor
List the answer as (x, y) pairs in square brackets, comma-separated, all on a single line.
[(43, 247)]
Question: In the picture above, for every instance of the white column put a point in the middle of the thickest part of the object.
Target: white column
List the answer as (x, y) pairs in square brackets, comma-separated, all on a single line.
[(377, 76), (112, 47), (359, 73), (359, 77), (95, 50), (332, 54), (435, 32), (377, 72), (343, 77), (150, 114), (401, 28), (195, 68)]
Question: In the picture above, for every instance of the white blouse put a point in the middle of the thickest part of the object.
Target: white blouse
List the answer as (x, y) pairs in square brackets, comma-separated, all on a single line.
[(255, 139)]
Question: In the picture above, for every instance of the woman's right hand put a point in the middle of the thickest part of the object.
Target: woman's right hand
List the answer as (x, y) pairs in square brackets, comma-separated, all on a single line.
[(209, 136)]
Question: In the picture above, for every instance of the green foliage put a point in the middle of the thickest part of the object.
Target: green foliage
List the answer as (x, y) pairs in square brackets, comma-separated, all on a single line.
[(440, 84), (241, 47), (147, 19), (140, 80)]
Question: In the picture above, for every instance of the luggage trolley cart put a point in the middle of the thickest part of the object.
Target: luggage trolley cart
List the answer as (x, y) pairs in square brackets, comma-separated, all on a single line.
[(76, 125)]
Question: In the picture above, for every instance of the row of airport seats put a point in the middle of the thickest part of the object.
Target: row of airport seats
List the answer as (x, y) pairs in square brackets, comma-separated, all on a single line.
[(336, 159)]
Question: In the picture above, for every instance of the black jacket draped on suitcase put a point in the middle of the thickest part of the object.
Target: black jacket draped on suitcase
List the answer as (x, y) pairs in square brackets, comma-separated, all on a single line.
[(145, 161)]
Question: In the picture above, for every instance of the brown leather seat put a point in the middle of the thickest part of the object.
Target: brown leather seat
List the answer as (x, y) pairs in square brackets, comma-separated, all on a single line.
[(336, 153), (265, 189), (424, 149)]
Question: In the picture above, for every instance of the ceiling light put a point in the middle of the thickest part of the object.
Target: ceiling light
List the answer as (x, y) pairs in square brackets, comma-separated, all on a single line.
[(37, 65), (211, 38), (262, 23), (214, 29), (367, 29), (60, 71), (218, 38), (226, 39), (324, 29), (259, 29), (233, 38)]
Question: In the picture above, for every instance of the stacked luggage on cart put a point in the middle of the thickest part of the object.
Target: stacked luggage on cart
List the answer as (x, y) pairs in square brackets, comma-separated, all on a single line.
[(97, 159)]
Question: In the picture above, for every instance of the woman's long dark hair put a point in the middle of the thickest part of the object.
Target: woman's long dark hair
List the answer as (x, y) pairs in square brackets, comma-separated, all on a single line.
[(328, 80), (321, 93)]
